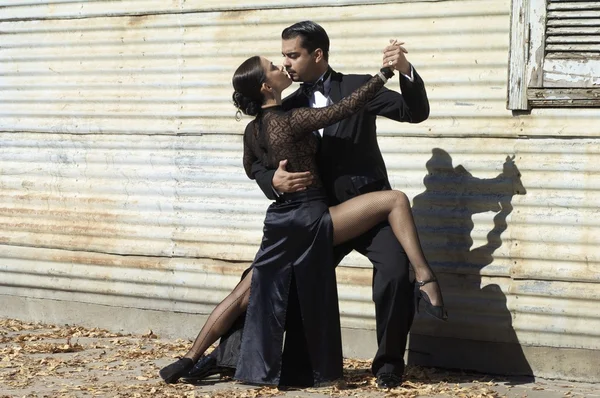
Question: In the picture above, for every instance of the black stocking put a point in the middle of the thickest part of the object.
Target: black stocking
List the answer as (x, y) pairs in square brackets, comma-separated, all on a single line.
[(222, 318), (358, 215)]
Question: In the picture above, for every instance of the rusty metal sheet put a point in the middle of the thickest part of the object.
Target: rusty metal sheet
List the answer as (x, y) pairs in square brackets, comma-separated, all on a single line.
[(121, 180), (53, 9)]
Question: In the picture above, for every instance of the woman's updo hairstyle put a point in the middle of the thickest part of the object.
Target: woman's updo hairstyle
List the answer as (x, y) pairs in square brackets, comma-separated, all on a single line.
[(247, 81)]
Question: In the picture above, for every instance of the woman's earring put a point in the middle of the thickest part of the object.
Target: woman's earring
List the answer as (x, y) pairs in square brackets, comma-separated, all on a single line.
[(238, 115)]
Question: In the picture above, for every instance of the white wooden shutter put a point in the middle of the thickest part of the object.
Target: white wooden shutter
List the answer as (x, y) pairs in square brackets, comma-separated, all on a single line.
[(559, 43)]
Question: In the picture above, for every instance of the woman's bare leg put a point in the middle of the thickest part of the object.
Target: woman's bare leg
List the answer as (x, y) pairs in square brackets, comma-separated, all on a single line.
[(358, 215)]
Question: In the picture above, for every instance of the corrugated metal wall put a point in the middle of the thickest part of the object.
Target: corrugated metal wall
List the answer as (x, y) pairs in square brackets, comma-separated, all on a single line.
[(121, 180)]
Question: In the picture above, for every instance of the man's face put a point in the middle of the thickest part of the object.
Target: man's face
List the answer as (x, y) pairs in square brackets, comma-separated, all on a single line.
[(300, 65)]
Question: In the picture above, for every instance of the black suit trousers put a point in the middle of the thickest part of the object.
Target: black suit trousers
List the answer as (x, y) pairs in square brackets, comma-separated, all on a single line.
[(392, 294)]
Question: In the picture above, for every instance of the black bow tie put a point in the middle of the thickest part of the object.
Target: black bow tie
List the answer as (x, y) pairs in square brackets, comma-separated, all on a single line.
[(309, 89)]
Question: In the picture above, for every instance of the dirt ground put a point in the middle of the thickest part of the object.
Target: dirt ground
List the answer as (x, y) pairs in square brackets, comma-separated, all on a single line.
[(39, 360)]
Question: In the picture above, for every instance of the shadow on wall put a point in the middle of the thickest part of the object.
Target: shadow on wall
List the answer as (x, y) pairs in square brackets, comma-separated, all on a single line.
[(479, 334)]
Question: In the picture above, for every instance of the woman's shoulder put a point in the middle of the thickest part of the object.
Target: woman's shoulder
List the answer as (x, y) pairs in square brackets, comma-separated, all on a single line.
[(249, 130), (249, 127)]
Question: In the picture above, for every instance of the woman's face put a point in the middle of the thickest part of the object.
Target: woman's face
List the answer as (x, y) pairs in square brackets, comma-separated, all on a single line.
[(276, 76)]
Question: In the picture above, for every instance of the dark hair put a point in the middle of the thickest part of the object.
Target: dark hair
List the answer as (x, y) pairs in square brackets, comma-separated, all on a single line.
[(312, 34), (247, 81)]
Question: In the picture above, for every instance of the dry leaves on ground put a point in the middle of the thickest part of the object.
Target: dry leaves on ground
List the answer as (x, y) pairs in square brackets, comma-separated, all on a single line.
[(38, 360)]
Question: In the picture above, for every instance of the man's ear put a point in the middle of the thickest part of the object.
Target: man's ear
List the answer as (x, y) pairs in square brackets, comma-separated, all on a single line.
[(318, 53)]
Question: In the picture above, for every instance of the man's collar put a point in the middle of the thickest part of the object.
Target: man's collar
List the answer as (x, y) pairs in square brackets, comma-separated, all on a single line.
[(325, 78)]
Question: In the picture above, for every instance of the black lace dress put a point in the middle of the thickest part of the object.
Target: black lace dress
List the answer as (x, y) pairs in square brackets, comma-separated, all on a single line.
[(295, 259)]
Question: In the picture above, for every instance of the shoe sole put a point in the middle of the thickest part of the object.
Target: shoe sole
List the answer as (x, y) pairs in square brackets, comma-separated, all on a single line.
[(209, 373)]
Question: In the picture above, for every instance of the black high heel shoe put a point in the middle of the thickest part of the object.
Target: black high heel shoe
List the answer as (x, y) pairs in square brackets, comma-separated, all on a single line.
[(171, 373), (437, 311)]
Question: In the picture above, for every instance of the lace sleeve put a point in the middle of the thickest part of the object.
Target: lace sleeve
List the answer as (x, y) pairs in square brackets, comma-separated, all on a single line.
[(249, 155), (306, 120)]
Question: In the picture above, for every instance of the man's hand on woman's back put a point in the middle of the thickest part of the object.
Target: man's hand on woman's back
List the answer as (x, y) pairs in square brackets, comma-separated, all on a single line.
[(285, 182)]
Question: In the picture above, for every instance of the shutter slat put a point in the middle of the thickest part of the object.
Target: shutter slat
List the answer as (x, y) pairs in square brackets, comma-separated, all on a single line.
[(577, 22), (570, 55), (572, 31), (572, 39), (573, 5), (587, 13), (568, 47)]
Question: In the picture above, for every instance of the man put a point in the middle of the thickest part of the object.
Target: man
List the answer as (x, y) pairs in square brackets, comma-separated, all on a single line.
[(351, 164)]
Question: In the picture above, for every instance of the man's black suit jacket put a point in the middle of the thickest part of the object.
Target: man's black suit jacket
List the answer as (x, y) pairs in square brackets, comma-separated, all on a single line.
[(350, 160)]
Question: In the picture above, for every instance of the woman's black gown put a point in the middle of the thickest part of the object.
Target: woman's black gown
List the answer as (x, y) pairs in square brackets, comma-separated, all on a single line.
[(296, 251)]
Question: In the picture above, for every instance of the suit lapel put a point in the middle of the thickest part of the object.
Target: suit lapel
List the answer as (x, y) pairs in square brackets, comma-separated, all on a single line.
[(335, 93)]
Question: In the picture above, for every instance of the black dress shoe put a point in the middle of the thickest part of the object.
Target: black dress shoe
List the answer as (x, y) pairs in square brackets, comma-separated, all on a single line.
[(205, 367), (388, 380)]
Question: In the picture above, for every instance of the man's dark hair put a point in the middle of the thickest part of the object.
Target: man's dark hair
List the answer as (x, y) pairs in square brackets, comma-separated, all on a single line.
[(312, 35)]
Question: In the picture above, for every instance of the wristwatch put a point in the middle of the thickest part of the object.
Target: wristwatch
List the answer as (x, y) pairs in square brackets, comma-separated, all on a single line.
[(387, 72)]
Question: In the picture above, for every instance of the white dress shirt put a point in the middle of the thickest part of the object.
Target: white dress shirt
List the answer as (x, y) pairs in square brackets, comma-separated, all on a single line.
[(321, 100)]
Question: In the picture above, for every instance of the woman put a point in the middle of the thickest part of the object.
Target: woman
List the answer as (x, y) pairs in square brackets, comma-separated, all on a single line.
[(295, 257)]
